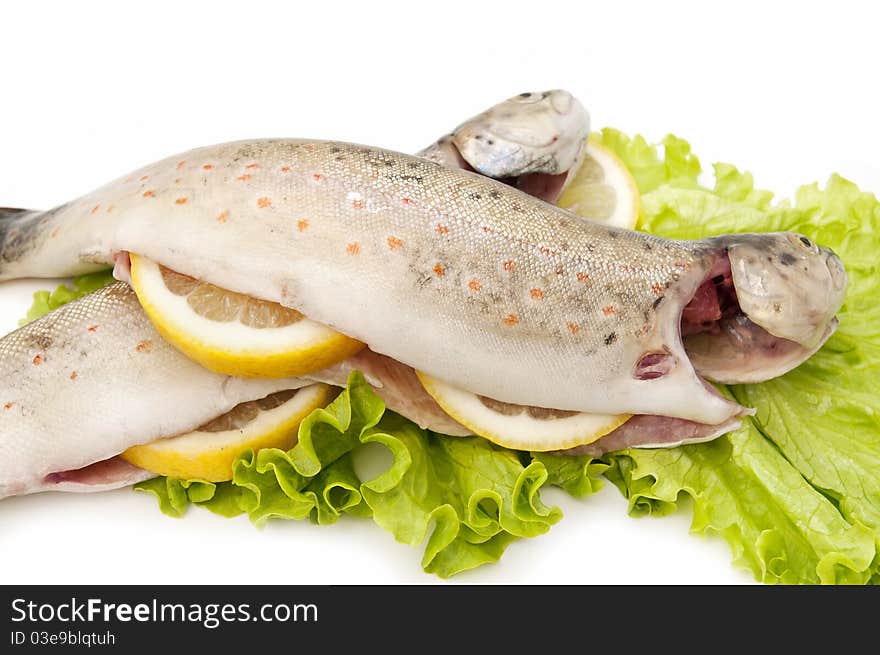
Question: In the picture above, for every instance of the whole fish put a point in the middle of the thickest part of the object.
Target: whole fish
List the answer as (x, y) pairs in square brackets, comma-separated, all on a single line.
[(463, 277)]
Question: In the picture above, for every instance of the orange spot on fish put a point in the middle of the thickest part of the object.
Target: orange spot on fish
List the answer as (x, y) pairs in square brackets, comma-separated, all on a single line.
[(487, 229), (657, 289), (309, 146), (302, 225), (149, 193), (547, 252), (208, 167), (181, 164), (583, 278), (95, 209), (511, 320), (394, 243), (537, 294), (574, 328), (243, 178), (406, 201), (353, 248), (54, 232), (264, 202), (609, 309), (144, 346), (508, 265), (442, 229), (474, 285), (93, 328), (223, 216), (181, 201), (144, 177), (285, 169), (439, 270), (38, 359), (8, 405), (73, 375), (251, 167), (110, 208), (357, 204), (317, 177)]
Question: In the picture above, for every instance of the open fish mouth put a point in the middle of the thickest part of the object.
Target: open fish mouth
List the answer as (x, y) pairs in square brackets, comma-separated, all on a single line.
[(725, 345), (732, 342)]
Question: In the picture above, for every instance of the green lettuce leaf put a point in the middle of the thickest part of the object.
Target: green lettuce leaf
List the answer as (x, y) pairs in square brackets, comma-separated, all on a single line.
[(778, 525), (796, 492), (825, 415), (670, 161)]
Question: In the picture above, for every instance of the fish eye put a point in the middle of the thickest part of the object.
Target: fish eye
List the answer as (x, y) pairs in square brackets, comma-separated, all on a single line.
[(526, 98), (802, 242)]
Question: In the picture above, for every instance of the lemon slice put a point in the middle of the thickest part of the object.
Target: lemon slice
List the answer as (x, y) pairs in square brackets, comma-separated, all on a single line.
[(231, 333), (208, 452), (603, 190), (519, 427)]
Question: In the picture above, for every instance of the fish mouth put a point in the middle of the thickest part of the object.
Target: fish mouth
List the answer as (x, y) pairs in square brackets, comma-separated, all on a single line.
[(534, 142), (725, 345)]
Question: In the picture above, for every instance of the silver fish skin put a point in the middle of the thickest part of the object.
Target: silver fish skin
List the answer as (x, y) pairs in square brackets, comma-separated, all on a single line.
[(91, 379), (443, 270)]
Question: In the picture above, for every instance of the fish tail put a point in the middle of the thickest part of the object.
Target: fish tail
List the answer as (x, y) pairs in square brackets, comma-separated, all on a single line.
[(27, 248), (11, 212), (17, 232)]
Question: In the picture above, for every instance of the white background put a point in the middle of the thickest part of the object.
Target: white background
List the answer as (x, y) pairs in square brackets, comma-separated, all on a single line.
[(89, 91)]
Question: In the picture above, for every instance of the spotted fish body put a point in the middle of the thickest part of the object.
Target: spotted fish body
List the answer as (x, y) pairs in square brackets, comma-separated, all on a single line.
[(89, 380), (444, 270)]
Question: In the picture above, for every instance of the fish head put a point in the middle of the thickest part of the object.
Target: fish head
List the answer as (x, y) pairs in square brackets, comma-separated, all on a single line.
[(788, 285), (537, 132)]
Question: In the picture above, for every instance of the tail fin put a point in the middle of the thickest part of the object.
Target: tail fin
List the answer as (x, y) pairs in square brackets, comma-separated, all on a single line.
[(17, 237), (11, 212), (27, 248)]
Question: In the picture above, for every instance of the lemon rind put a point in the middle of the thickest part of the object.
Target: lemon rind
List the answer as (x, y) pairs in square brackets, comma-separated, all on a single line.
[(210, 455), (289, 351), (517, 432)]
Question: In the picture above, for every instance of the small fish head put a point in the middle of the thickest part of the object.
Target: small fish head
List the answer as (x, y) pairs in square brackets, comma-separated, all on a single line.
[(543, 132), (788, 285)]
